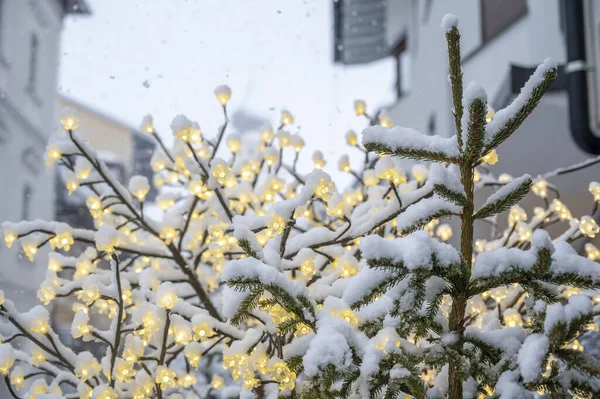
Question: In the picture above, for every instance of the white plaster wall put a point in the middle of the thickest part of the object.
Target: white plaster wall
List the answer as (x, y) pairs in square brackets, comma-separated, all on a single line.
[(27, 123)]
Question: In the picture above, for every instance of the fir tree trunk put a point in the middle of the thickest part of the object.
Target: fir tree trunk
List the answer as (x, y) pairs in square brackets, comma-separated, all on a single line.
[(459, 300)]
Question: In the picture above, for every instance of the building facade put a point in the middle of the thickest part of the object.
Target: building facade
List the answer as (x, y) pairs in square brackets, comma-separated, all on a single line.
[(124, 149), (29, 53)]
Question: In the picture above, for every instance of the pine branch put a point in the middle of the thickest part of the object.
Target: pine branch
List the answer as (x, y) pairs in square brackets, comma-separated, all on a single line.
[(476, 130), (247, 248), (579, 361), (456, 79), (440, 214), (246, 307), (380, 289), (505, 202), (450, 195), (411, 153), (524, 111)]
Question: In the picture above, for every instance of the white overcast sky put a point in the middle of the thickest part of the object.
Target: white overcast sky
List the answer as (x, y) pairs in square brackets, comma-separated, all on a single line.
[(274, 54)]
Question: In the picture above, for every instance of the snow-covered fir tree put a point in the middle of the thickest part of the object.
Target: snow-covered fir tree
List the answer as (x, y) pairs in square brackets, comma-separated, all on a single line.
[(260, 280)]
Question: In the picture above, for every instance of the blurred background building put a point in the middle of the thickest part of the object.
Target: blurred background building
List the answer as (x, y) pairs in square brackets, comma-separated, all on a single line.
[(502, 43), (125, 150), (30, 33)]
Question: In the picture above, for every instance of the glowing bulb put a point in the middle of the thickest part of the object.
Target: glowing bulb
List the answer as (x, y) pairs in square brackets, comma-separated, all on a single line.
[(344, 164), (146, 126), (540, 188), (168, 234), (276, 224), (52, 155), (17, 377), (217, 382), (286, 117), (318, 160), (516, 215), (360, 107), (490, 158), (69, 118), (7, 358), (419, 172), (266, 133), (280, 372), (324, 189), (595, 190), (71, 182), (166, 295), (444, 232), (560, 209), (347, 316), (430, 226), (223, 94), (139, 187), (10, 236), (195, 135), (351, 138), (588, 226), (165, 377), (297, 142), (234, 143), (386, 120), (490, 114), (593, 253)]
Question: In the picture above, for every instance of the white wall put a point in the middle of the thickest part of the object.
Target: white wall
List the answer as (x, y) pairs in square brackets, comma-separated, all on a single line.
[(526, 42), (26, 123)]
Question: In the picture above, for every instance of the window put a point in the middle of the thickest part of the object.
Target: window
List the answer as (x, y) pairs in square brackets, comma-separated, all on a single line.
[(2, 18), (26, 202), (25, 215), (33, 62), (402, 57), (427, 11), (431, 125), (497, 15)]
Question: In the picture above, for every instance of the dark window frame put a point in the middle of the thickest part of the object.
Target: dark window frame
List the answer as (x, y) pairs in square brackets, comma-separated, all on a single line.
[(397, 51), (27, 193), (3, 60), (427, 12), (32, 75)]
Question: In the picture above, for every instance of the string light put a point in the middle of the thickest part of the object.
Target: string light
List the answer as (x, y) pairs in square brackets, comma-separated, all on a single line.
[(223, 94), (360, 107), (69, 118), (351, 138), (348, 316), (286, 117), (490, 158), (490, 114), (444, 232), (588, 226), (560, 209), (595, 190), (592, 252), (318, 160), (540, 188)]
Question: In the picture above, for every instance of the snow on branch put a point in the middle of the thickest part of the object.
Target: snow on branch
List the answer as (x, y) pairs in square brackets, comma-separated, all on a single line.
[(507, 120), (505, 197), (422, 212), (409, 143)]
